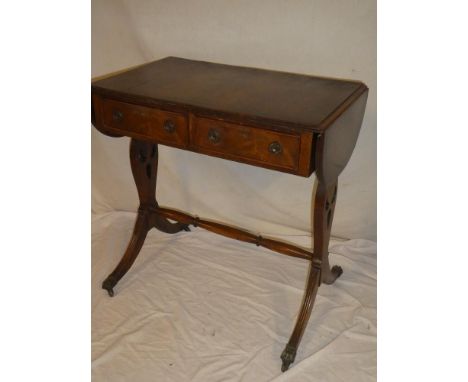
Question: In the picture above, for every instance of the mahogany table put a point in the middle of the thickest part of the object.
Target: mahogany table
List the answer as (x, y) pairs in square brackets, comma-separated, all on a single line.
[(282, 121)]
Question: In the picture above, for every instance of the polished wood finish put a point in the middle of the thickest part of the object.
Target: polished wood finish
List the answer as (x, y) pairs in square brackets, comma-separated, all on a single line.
[(236, 233), (243, 95), (289, 353), (248, 112), (144, 163), (335, 146), (324, 208), (282, 121), (144, 122), (241, 143), (245, 144)]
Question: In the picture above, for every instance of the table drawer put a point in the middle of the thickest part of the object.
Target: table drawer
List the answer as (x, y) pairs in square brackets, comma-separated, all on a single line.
[(245, 143), (140, 121)]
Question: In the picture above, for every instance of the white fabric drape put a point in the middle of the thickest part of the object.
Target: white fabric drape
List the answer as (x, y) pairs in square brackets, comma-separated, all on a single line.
[(200, 307)]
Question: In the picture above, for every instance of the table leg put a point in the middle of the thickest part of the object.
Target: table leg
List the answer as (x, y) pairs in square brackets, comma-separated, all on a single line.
[(325, 201), (324, 207), (144, 163)]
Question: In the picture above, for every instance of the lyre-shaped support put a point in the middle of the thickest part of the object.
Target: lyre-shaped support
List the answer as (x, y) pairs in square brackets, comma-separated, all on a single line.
[(324, 207), (144, 163)]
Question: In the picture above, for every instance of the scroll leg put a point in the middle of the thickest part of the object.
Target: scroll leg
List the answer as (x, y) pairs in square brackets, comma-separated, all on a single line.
[(289, 353), (144, 163), (329, 276), (136, 242), (324, 207)]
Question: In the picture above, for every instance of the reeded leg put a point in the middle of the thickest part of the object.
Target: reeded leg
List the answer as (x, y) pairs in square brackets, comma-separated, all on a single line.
[(289, 353), (324, 206), (136, 242), (144, 163)]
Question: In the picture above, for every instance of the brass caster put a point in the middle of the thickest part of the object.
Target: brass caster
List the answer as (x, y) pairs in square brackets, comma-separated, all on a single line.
[(337, 270), (288, 356), (108, 285)]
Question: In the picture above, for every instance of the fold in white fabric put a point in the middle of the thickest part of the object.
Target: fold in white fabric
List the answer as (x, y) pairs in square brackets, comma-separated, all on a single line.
[(196, 306)]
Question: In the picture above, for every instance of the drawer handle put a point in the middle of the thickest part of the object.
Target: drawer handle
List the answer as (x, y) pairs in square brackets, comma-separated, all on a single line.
[(169, 126), (275, 148), (117, 116), (214, 136)]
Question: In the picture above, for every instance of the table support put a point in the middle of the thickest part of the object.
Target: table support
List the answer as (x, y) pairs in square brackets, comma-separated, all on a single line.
[(324, 207), (144, 163), (223, 116), (237, 234)]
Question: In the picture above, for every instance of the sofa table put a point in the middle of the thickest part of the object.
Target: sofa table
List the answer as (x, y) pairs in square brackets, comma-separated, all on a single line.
[(286, 122)]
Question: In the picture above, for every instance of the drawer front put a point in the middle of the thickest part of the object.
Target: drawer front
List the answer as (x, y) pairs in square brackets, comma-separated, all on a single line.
[(145, 122), (246, 144)]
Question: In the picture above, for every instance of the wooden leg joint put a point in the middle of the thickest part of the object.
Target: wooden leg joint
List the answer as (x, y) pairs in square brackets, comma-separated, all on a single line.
[(144, 158), (317, 265)]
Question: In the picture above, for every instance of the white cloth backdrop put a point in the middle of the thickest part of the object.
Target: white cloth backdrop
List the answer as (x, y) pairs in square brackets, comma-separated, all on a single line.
[(201, 307), (204, 308)]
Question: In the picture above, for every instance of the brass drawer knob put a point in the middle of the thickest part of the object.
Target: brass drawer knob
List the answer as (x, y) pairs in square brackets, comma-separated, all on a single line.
[(214, 136), (117, 115), (169, 126), (275, 148)]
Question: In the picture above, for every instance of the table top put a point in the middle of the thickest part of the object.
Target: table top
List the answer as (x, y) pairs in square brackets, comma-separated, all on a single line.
[(237, 93)]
